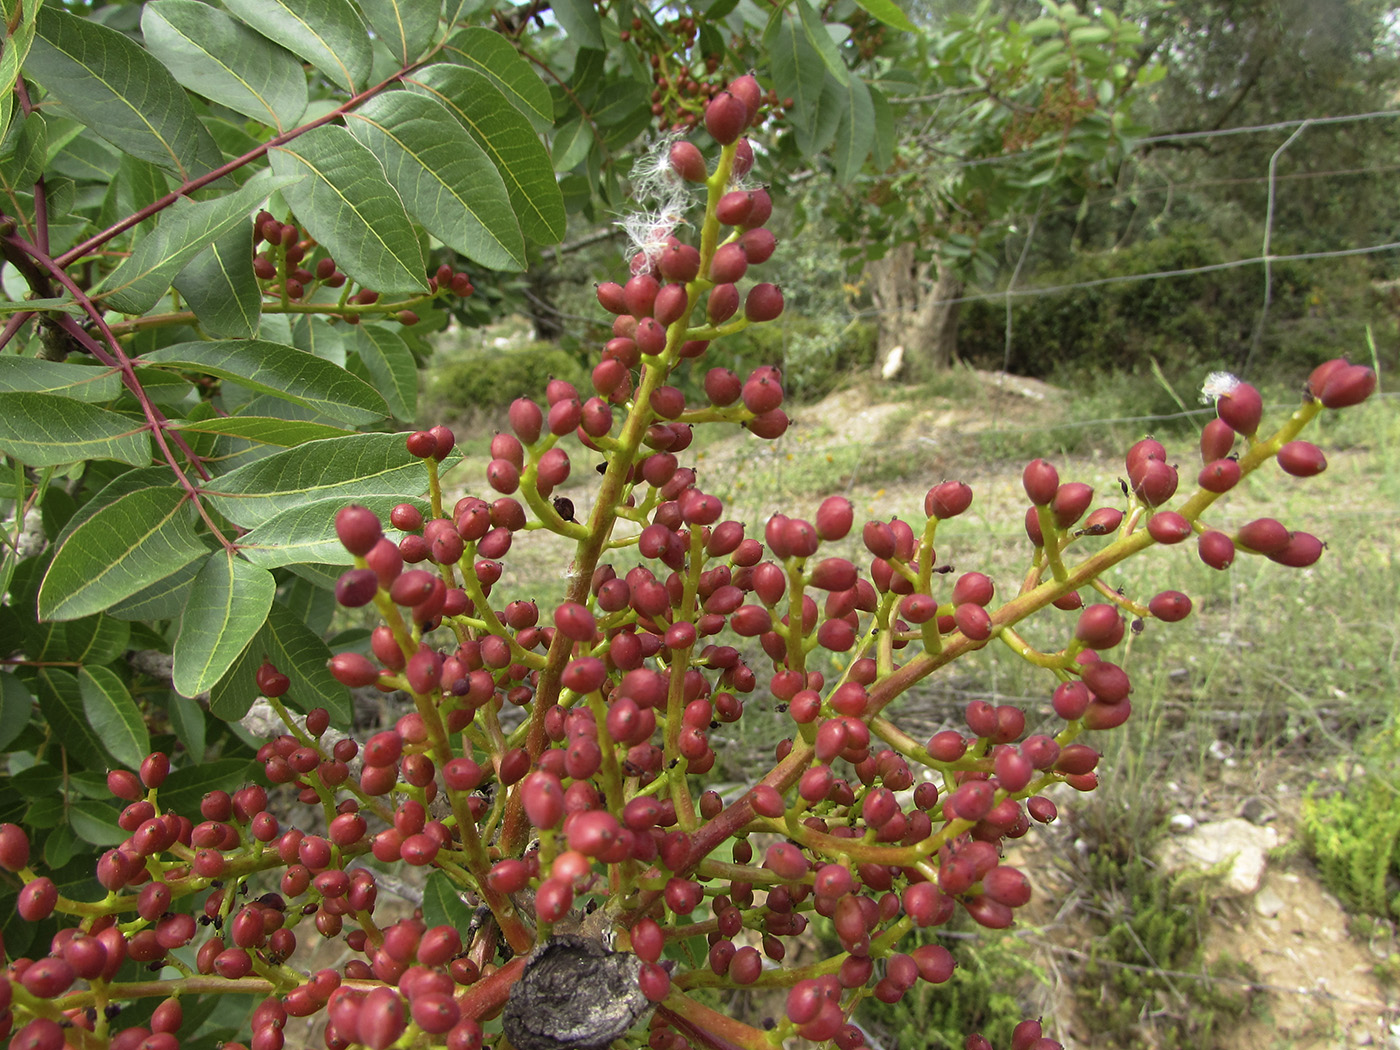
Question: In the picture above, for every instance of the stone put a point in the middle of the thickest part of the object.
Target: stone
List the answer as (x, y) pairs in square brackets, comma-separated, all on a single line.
[(1234, 842)]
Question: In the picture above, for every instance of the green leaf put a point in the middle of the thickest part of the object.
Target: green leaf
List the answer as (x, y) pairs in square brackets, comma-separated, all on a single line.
[(580, 21), (820, 38), (61, 704), (283, 371), (163, 600), (268, 430), (855, 131), (391, 368), (883, 155), (80, 382), (28, 144), (96, 823), (506, 136), (16, 48), (96, 639), (132, 541), (495, 57), (349, 207), (798, 70), (115, 717), (443, 905), (227, 607), (327, 33), (345, 468), (225, 61), (218, 284), (317, 336), (187, 720), (571, 144), (305, 533), (45, 430), (107, 81), (813, 138), (886, 11), (185, 230), (16, 704), (406, 27), (445, 179), (302, 657)]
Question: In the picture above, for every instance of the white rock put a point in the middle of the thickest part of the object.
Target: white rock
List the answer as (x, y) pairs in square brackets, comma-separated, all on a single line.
[(1236, 841), (1268, 903), (1181, 823)]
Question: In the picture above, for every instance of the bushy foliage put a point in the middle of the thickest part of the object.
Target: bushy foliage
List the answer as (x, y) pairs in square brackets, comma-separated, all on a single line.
[(1203, 320)]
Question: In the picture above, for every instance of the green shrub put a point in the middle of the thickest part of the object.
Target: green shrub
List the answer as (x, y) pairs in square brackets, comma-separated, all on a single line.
[(1200, 320), (487, 381), (1353, 833)]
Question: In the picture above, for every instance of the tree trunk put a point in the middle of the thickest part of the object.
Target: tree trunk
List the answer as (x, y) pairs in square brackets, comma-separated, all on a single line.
[(918, 326)]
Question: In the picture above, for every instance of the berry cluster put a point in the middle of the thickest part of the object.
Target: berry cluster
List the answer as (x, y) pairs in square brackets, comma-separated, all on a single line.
[(291, 271), (583, 826)]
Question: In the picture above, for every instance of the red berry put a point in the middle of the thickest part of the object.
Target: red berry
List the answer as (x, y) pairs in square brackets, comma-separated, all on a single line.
[(358, 528), (1348, 386), (1219, 475), (1217, 439), (14, 847), (1041, 481), (1302, 459), (1216, 549), (1168, 527), (422, 444), (726, 116), (1170, 606), (1100, 627), (763, 303), (1241, 408), (688, 162), (37, 899)]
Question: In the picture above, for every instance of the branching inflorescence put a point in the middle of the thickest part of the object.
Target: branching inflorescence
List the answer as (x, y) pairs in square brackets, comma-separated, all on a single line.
[(587, 837)]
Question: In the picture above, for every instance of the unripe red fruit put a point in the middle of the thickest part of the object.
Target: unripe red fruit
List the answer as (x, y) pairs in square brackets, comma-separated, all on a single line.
[(1219, 475), (734, 207), (973, 621), (1348, 386), (948, 499), (37, 899), (1168, 527), (357, 587), (14, 847), (1302, 550), (759, 245), (1071, 500), (746, 89), (526, 419), (726, 116), (1100, 627), (729, 264), (639, 293), (722, 386), (1241, 408), (1217, 439), (358, 528), (688, 162), (421, 444), (722, 304), (1302, 459), (1170, 606), (1264, 535), (763, 303), (1216, 549), (1041, 481)]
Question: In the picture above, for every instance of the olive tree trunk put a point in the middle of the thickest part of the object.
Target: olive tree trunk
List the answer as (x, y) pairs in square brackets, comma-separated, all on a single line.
[(918, 326)]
